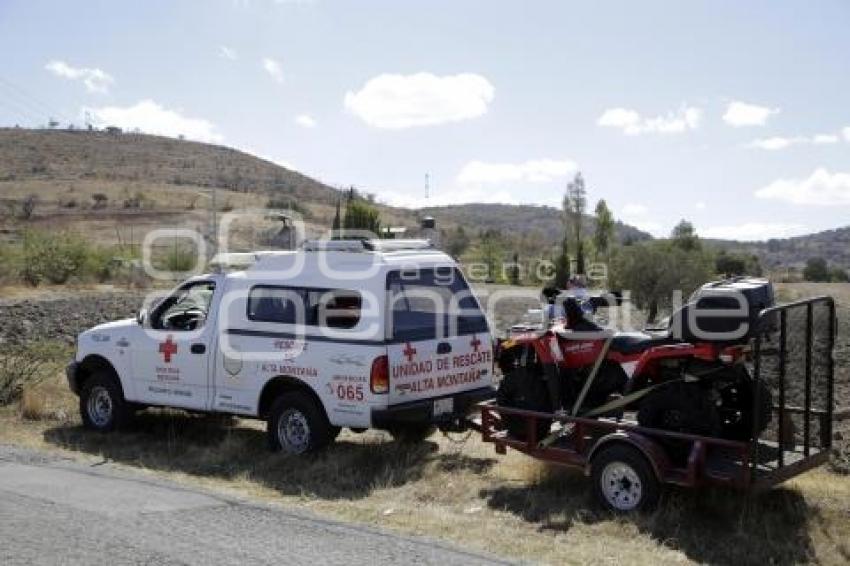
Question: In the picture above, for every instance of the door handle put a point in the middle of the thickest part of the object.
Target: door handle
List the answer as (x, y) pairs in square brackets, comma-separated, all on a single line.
[(198, 348), (444, 348)]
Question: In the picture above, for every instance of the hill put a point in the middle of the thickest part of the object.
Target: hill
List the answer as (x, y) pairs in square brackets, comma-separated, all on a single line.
[(547, 221), (114, 187), (143, 181), (833, 245), (63, 155)]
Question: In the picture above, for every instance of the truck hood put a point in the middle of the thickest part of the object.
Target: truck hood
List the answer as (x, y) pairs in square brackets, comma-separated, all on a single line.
[(111, 327)]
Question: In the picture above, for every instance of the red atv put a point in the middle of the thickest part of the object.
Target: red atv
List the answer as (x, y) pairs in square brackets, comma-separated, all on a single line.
[(689, 377)]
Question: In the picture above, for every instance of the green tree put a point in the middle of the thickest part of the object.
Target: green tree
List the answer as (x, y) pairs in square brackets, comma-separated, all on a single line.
[(816, 270), (603, 236), (361, 216), (684, 236), (562, 264), (730, 263), (336, 223), (575, 204), (653, 271), (514, 273), (492, 253), (456, 241), (838, 275)]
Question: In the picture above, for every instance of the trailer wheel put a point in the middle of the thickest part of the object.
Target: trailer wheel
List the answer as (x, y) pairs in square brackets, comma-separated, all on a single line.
[(297, 426), (102, 404), (623, 480)]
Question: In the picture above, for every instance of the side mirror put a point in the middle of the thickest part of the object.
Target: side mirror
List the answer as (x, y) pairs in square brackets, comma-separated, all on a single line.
[(141, 316)]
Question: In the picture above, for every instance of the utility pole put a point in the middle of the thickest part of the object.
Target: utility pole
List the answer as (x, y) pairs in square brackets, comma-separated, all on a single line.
[(214, 219)]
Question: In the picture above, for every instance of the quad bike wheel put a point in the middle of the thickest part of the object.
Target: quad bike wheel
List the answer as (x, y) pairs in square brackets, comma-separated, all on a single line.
[(736, 407), (522, 388), (680, 407)]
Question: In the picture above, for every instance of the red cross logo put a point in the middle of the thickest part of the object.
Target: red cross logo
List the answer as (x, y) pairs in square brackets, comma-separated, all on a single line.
[(168, 349), (475, 343), (409, 351)]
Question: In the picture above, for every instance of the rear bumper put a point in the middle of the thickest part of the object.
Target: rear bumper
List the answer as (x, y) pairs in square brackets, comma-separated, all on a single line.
[(72, 372), (422, 411)]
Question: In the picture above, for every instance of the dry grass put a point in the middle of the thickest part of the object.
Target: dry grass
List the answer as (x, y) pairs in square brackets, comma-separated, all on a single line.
[(509, 505)]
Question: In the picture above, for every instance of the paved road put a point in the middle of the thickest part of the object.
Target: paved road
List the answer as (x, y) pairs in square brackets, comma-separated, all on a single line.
[(57, 511)]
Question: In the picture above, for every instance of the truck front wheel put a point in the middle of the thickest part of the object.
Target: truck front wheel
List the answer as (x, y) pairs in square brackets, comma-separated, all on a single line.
[(102, 404), (297, 426)]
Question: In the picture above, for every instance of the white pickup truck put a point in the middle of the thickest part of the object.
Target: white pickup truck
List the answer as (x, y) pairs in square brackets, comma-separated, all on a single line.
[(357, 334)]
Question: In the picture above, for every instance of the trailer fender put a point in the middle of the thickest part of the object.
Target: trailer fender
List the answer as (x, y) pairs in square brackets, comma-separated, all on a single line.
[(652, 451)]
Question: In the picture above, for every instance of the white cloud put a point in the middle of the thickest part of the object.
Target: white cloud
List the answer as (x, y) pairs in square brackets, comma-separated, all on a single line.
[(775, 143), (151, 118), (752, 231), (273, 68), (700, 205), (95, 80), (401, 101), (531, 171), (632, 123), (227, 53), (821, 139), (742, 114), (305, 121), (820, 188), (781, 142), (846, 133)]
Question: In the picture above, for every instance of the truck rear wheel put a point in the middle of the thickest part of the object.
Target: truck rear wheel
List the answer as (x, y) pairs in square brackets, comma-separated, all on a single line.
[(296, 425), (623, 480), (102, 404)]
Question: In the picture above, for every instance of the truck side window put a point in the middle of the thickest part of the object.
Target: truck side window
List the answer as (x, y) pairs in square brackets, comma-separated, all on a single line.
[(276, 304), (186, 309), (335, 309), (331, 308)]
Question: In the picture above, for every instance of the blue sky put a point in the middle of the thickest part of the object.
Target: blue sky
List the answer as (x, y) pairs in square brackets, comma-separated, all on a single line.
[(733, 115)]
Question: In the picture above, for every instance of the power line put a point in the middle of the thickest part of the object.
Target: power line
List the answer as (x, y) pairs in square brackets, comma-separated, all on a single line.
[(25, 115), (33, 103)]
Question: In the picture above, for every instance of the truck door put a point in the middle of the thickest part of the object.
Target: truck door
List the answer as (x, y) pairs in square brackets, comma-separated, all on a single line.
[(439, 341), (170, 353)]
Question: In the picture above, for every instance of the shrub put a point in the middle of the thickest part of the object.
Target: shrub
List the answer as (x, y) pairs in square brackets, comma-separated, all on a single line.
[(28, 206), (180, 259), (100, 200), (56, 258), (286, 204), (22, 366), (9, 261), (816, 270), (838, 275)]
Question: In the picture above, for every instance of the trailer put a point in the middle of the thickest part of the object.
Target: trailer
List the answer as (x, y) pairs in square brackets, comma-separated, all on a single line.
[(791, 353)]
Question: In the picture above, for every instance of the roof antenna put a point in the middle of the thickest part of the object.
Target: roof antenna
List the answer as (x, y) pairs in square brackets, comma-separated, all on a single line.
[(427, 186)]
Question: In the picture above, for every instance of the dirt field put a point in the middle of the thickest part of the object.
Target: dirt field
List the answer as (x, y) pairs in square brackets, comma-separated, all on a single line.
[(459, 489)]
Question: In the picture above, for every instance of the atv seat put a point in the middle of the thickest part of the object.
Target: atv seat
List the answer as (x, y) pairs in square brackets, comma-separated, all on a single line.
[(637, 342)]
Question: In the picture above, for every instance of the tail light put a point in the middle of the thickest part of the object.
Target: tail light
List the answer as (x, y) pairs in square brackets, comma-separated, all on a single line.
[(379, 378)]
